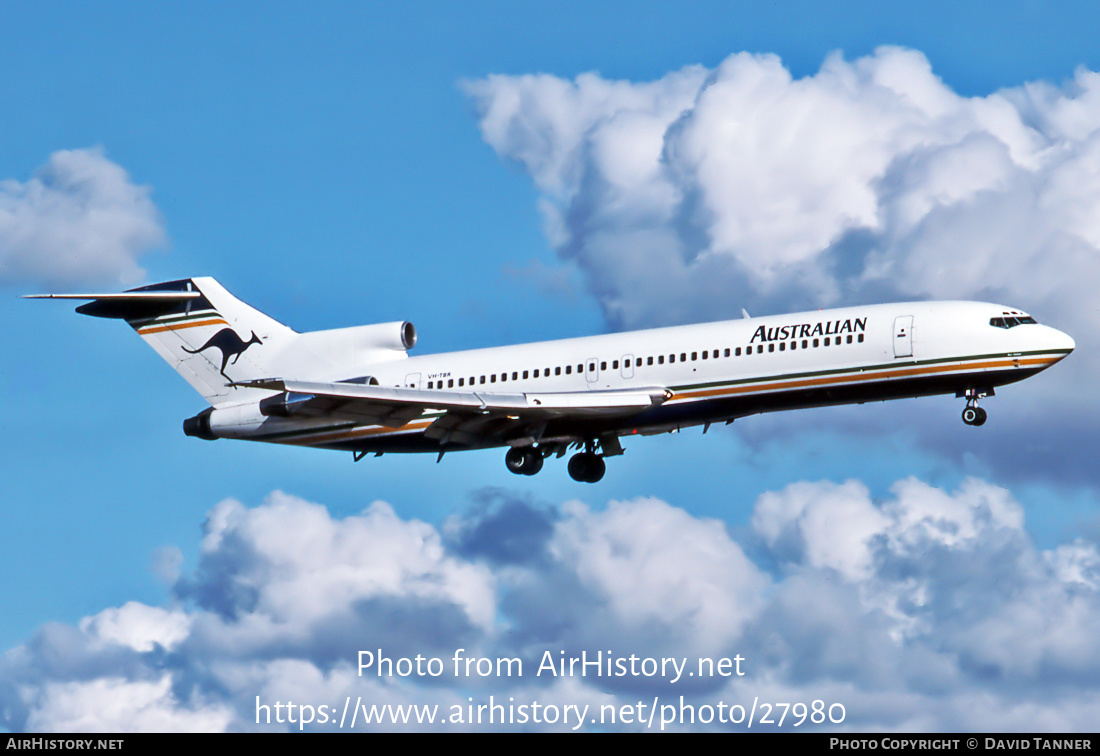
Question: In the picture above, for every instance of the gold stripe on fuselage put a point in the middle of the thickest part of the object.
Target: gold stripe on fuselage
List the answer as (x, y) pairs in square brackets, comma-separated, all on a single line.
[(764, 385), (861, 376)]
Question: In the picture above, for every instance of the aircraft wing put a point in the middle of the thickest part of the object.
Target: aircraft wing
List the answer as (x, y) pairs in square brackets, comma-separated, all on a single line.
[(467, 415)]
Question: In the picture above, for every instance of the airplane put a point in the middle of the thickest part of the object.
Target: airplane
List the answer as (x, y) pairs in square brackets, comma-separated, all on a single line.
[(357, 389)]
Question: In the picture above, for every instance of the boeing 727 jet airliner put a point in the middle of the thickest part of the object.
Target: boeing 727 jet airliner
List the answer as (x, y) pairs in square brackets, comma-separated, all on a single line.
[(357, 389)]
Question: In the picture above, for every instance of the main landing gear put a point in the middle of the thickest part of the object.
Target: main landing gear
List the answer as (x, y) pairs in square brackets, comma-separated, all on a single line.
[(972, 413), (523, 460), (586, 466)]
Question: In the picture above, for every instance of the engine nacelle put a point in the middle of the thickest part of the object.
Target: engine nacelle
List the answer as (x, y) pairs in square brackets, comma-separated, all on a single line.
[(199, 426), (224, 422), (361, 342), (338, 353), (285, 404)]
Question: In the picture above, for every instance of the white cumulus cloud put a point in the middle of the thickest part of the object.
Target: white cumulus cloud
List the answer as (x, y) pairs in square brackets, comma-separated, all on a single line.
[(870, 173), (687, 198), (928, 610), (80, 220), (110, 704)]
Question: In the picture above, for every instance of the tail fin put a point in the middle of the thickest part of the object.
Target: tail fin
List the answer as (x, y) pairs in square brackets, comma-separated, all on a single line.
[(207, 335)]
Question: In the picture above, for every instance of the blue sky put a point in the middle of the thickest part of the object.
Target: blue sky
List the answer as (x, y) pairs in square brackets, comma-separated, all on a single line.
[(336, 164)]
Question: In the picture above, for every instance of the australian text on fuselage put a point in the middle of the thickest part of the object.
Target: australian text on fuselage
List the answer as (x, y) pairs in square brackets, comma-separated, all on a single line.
[(809, 330)]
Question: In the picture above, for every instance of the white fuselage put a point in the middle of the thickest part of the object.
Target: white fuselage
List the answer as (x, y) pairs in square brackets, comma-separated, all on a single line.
[(719, 371)]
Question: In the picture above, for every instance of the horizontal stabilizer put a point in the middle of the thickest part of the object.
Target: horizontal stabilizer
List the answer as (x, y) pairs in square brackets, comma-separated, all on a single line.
[(133, 305)]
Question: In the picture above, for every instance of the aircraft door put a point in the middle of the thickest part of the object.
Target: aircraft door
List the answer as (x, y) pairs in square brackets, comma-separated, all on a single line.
[(412, 380), (628, 366), (903, 336), (592, 371)]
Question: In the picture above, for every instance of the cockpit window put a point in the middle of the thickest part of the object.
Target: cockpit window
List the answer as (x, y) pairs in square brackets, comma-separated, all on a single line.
[(1012, 321)]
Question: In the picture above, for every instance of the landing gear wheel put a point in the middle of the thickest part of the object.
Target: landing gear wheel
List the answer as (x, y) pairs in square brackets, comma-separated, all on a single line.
[(586, 467), (523, 461), (534, 462), (974, 416), (597, 469)]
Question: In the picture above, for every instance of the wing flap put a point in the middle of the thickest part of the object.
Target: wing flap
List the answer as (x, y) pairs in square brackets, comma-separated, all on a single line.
[(466, 417), (398, 402)]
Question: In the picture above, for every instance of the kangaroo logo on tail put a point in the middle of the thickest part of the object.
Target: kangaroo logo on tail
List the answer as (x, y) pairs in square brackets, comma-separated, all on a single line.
[(229, 344)]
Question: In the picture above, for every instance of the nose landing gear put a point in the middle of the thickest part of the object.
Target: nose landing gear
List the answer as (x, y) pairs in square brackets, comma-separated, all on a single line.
[(972, 414)]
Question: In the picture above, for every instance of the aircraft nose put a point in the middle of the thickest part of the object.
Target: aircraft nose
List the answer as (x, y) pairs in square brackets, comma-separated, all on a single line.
[(1061, 341)]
